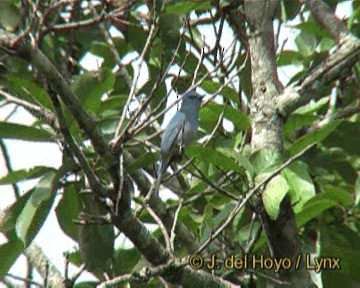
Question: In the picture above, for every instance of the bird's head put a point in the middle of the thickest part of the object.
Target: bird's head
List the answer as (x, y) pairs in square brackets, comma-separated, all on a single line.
[(191, 99)]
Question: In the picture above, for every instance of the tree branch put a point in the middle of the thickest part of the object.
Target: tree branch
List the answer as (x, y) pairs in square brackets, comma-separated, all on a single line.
[(94, 182), (184, 236), (156, 254), (267, 131), (325, 16), (33, 54), (241, 203), (302, 92), (32, 108), (44, 266)]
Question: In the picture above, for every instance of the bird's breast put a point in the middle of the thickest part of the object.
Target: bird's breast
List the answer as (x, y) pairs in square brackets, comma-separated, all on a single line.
[(189, 132)]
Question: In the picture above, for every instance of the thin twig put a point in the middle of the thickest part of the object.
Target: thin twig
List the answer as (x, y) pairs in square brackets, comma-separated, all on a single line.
[(192, 87), (27, 105), (198, 66), (210, 183), (121, 186), (78, 273), (25, 280), (243, 200), (172, 232), (161, 225), (114, 52), (134, 83), (145, 103), (144, 275)]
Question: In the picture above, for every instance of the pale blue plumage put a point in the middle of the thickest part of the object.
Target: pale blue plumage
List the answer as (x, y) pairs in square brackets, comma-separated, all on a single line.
[(180, 131)]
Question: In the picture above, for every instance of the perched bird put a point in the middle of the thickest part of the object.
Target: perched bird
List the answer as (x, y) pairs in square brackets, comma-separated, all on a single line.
[(180, 131)]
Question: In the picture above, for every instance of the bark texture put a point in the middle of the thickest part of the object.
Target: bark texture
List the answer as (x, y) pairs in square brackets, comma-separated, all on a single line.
[(267, 128)]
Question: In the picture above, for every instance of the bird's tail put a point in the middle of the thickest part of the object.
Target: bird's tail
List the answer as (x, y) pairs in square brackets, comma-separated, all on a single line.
[(158, 178), (157, 184)]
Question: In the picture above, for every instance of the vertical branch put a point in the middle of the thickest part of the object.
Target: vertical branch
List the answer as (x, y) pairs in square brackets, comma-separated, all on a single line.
[(267, 130)]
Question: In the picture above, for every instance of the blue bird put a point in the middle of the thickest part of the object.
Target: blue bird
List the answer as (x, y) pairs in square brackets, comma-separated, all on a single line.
[(180, 131)]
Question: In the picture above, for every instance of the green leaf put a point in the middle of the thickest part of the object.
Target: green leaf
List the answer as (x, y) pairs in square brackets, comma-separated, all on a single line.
[(332, 164), (114, 103), (326, 44), (288, 57), (160, 92), (28, 90), (313, 137), (125, 260), (311, 108), (74, 257), (102, 49), (301, 185), (24, 174), (265, 160), (245, 76), (239, 158), (207, 119), (223, 214), (90, 87), (312, 29), (9, 216), (212, 156), (135, 35), (211, 87), (188, 217), (273, 195), (297, 121), (347, 137), (9, 15), (109, 124), (206, 220), (337, 194), (306, 43), (238, 118), (96, 241), (68, 210), (143, 161), (22, 132), (87, 284), (169, 29), (289, 10), (37, 208), (354, 16), (187, 7), (339, 241), (9, 252), (312, 209)]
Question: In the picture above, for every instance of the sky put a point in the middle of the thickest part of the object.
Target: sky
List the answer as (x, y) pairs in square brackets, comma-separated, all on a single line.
[(25, 155)]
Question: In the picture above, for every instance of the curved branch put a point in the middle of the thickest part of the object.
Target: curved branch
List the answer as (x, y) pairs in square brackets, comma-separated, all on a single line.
[(31, 53), (327, 19), (300, 93), (156, 254)]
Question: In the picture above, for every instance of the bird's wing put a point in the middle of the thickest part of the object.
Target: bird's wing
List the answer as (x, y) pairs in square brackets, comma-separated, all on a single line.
[(172, 130)]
